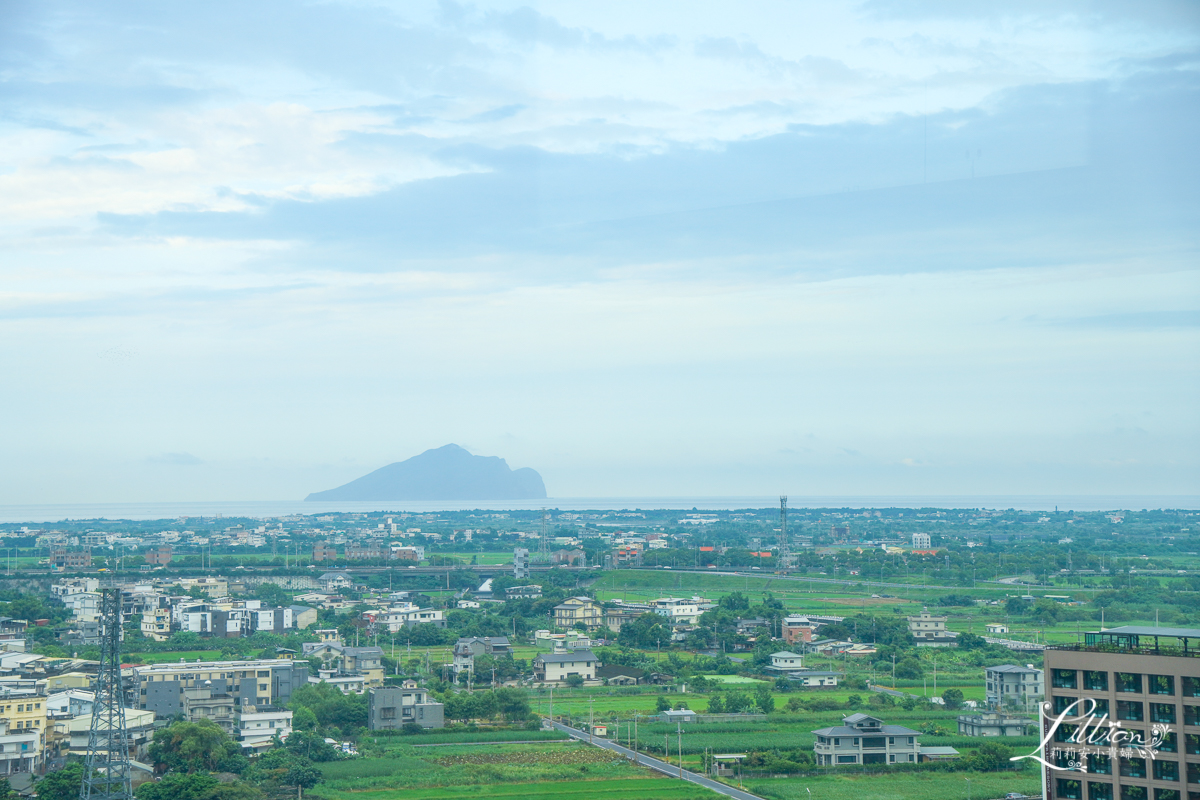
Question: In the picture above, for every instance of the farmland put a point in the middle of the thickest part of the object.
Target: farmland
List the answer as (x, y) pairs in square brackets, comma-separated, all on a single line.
[(497, 770)]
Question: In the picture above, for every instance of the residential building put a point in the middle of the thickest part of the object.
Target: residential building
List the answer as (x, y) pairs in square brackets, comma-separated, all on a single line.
[(364, 661), (159, 556), (335, 581), (568, 558), (618, 675), (993, 723), (558, 667), (576, 610), (531, 592), (863, 739), (62, 558), (392, 707), (677, 609), (213, 587), (70, 703), (257, 726), (785, 661), (139, 728), (206, 703), (264, 682), (303, 617), (521, 563), (614, 618), (1012, 685), (346, 683), (930, 630), (156, 624), (1143, 679), (324, 552), (24, 719), (68, 586), (365, 552), (797, 629), (996, 628), (466, 649), (921, 541)]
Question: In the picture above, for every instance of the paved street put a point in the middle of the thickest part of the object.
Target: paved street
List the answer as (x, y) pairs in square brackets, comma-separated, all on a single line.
[(660, 766)]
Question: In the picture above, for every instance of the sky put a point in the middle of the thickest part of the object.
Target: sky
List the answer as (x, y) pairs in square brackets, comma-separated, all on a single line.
[(250, 251)]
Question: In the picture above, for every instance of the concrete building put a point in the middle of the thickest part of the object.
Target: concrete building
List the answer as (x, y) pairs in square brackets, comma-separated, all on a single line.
[(863, 739), (996, 628), (921, 541), (558, 667), (532, 591), (257, 726), (324, 552), (139, 726), (266, 682), (335, 581), (62, 558), (156, 625), (392, 707), (521, 563), (797, 629), (467, 649), (1012, 685), (993, 723), (364, 661), (1142, 678), (575, 610), (929, 630)]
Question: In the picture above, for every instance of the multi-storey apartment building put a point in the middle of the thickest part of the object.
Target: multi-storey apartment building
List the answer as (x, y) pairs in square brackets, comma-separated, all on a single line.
[(575, 610), (393, 707), (1009, 684), (929, 630), (266, 682), (558, 667), (863, 739), (1144, 679), (23, 721)]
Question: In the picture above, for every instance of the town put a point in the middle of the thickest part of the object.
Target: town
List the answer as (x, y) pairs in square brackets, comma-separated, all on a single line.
[(763, 652)]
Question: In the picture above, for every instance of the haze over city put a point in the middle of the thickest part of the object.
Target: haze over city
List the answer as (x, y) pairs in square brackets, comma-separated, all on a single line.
[(253, 252)]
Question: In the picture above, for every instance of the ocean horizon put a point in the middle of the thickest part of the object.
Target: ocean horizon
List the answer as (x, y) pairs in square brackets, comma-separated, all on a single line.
[(39, 513)]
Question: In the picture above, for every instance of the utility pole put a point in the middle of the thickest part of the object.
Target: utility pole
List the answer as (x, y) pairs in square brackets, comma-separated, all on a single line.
[(679, 734), (106, 773), (591, 720), (783, 534)]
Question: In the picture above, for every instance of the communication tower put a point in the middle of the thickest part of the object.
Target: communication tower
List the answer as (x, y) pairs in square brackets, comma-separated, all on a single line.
[(784, 551), (106, 772), (544, 546)]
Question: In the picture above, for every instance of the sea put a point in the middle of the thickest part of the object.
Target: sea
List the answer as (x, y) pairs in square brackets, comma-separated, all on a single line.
[(265, 509)]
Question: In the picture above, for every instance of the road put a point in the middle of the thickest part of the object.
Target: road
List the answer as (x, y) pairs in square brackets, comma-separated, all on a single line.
[(657, 765)]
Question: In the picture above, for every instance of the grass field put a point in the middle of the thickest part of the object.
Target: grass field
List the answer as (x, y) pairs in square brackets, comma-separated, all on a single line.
[(923, 785), (572, 770), (606, 789)]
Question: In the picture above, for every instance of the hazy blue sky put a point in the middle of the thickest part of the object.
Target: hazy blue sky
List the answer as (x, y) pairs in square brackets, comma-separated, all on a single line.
[(254, 250)]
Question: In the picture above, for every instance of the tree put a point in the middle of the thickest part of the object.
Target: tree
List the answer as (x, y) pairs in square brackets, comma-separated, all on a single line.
[(62, 784), (764, 700), (953, 698), (662, 704), (989, 757), (179, 786), (575, 680), (273, 594), (716, 704), (196, 746), (513, 704), (853, 701), (909, 668), (971, 641)]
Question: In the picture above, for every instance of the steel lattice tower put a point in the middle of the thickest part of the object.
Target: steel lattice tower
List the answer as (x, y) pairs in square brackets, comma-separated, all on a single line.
[(544, 546), (783, 536), (106, 772)]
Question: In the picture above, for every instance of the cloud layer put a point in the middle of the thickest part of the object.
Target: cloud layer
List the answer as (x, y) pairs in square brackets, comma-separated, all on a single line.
[(250, 252)]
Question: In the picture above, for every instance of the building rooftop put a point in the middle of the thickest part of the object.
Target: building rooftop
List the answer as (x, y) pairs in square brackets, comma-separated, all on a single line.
[(558, 658), (1012, 668)]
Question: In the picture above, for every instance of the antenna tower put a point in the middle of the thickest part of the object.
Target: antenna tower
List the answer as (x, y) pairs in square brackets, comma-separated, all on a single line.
[(106, 770), (783, 536)]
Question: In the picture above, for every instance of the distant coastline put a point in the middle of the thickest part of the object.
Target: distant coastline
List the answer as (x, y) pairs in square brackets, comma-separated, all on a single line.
[(56, 512)]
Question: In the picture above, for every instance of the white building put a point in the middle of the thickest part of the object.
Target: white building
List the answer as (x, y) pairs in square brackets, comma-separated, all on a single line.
[(257, 727), (71, 703), (558, 667), (922, 541)]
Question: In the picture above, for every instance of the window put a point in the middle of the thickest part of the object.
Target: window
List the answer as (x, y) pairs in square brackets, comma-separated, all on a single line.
[(847, 759), (910, 741), (1162, 684), (1133, 793), (1063, 679), (1130, 711), (1166, 770), (1128, 682), (1191, 743), (1099, 764), (1191, 715), (1099, 791), (1169, 744), (1133, 767), (1162, 712), (1101, 708), (1166, 794), (1191, 687), (1068, 789), (1061, 704), (1096, 681), (1064, 733)]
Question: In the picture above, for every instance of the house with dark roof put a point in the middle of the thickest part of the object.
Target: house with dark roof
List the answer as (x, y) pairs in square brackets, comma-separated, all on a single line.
[(863, 739), (558, 667), (620, 675)]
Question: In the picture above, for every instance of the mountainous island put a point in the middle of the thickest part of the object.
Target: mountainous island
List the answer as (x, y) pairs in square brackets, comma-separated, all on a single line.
[(444, 473)]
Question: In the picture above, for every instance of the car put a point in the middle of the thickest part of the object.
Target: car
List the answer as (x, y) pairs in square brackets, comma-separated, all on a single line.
[(1014, 796)]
